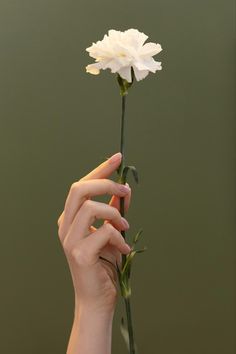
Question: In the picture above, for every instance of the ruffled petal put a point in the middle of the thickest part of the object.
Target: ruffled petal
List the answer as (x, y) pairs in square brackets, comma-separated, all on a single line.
[(135, 37), (119, 51), (92, 69), (150, 49), (148, 64), (125, 73), (140, 74)]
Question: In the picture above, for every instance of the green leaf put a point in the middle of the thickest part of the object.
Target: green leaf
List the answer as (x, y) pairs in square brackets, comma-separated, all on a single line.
[(129, 258), (136, 237), (134, 172), (120, 174), (125, 335), (118, 170), (128, 264), (124, 332), (141, 250)]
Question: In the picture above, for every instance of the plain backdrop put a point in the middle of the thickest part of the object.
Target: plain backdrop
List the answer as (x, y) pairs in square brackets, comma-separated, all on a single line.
[(58, 123)]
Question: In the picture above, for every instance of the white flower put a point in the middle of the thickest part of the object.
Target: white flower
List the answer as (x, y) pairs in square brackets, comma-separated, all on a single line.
[(119, 51)]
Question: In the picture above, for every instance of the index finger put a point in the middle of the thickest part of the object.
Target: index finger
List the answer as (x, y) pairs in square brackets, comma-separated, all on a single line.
[(103, 170), (106, 168)]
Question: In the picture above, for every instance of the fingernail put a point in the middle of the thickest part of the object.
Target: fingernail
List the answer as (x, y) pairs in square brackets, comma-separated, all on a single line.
[(114, 158), (125, 222), (128, 248), (124, 188)]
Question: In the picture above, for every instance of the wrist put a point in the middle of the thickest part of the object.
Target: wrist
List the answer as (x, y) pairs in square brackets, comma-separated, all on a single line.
[(97, 310), (88, 313), (91, 331)]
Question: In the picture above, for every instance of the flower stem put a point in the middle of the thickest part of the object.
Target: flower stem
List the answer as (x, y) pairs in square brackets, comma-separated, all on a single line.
[(130, 327), (122, 150), (122, 212), (122, 137)]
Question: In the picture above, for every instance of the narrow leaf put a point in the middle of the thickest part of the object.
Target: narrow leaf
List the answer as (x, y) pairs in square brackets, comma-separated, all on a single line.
[(124, 332), (135, 174), (136, 237), (129, 257), (141, 250), (125, 335), (134, 171)]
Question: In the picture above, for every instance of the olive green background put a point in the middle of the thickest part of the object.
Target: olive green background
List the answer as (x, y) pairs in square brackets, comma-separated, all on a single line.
[(58, 123)]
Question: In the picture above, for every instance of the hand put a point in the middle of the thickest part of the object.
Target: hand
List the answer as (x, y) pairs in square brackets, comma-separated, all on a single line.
[(95, 280)]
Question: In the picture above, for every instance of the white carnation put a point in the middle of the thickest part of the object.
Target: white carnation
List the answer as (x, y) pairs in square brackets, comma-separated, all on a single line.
[(119, 51)]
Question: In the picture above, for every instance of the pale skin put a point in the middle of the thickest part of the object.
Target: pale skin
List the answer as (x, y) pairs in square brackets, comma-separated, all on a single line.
[(95, 280)]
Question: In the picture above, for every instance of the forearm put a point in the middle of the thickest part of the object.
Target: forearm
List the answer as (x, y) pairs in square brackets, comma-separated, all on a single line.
[(91, 332)]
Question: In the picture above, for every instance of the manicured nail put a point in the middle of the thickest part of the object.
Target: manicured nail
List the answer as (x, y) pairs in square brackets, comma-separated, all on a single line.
[(116, 157), (125, 223), (128, 248), (124, 188)]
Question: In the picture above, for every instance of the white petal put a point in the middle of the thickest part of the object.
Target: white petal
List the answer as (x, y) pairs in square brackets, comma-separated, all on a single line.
[(125, 73), (148, 64), (114, 65), (136, 38), (118, 51), (140, 74), (150, 49), (140, 65), (98, 52), (92, 69), (114, 33)]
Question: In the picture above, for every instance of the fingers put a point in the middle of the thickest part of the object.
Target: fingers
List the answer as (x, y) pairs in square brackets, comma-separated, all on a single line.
[(82, 190), (87, 253), (115, 201), (106, 168), (86, 216)]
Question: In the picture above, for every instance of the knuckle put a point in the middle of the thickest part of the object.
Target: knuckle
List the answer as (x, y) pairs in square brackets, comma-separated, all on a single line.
[(76, 186), (113, 232), (109, 229), (88, 204), (66, 247), (76, 254), (80, 256)]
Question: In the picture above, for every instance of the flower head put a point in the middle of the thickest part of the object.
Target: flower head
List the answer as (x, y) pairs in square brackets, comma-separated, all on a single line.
[(119, 51)]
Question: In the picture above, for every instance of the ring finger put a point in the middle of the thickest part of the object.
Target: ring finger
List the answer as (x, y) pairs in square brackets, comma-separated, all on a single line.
[(86, 216)]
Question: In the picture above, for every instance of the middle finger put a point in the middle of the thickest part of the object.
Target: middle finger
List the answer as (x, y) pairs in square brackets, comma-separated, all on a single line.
[(88, 213), (82, 190)]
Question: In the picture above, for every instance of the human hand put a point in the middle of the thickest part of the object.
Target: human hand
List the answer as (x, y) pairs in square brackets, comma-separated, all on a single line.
[(94, 279)]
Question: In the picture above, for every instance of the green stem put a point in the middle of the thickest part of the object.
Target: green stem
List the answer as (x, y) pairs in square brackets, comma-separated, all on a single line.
[(122, 136), (122, 150), (122, 212), (130, 327)]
